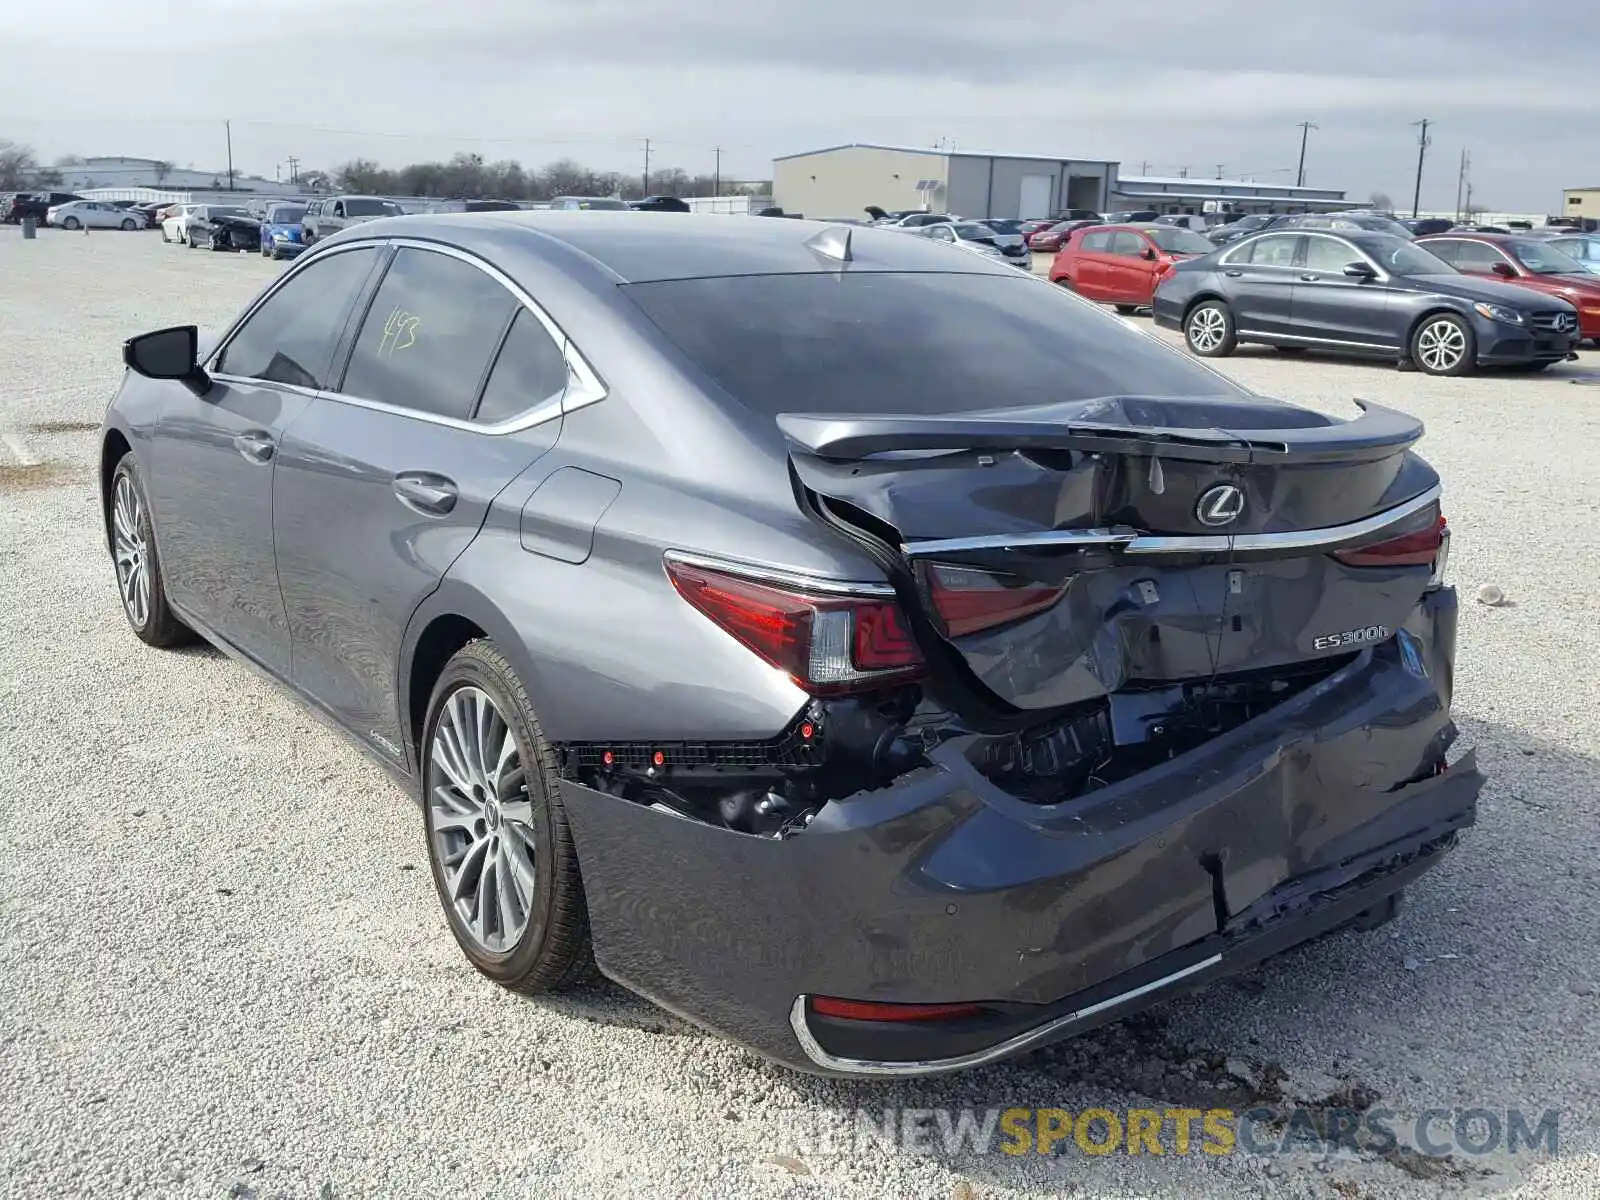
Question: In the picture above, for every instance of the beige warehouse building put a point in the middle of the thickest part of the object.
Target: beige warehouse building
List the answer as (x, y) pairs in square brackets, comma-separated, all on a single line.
[(1581, 202), (839, 181)]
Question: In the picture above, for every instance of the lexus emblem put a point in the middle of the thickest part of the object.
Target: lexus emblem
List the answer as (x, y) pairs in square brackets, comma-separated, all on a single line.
[(1221, 505)]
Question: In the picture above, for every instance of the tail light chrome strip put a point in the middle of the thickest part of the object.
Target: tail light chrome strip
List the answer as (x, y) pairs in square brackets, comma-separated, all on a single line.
[(1012, 1045), (1131, 542)]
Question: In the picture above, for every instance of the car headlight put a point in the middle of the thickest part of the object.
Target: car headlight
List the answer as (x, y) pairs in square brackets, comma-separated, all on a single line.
[(1498, 312)]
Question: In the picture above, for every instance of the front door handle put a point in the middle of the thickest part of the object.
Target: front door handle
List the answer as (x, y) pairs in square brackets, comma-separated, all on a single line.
[(425, 492), (1233, 274), (1310, 278), (256, 445)]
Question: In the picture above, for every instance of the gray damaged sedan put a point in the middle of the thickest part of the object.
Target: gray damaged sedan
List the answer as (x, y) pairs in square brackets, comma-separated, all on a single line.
[(874, 654)]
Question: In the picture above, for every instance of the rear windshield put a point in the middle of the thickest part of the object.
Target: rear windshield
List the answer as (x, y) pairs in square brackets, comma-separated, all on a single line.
[(370, 208), (899, 343)]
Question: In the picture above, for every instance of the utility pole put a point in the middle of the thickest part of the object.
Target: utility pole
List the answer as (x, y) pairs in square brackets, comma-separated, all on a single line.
[(716, 186), (227, 127), (294, 169), (1422, 150), (1183, 172), (1461, 179), (1219, 170), (1144, 167), (647, 166), (1305, 128)]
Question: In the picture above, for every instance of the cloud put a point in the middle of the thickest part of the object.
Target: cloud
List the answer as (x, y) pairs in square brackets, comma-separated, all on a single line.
[(1225, 83)]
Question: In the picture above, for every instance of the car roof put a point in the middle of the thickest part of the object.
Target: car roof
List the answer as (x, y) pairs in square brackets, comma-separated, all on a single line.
[(1473, 235), (639, 247)]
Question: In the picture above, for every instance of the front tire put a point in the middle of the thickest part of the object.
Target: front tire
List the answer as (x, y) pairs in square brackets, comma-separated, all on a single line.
[(138, 567), (499, 846), (1209, 330), (129, 225), (1444, 344)]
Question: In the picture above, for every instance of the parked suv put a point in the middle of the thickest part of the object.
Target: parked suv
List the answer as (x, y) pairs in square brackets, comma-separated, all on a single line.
[(326, 217), (35, 205)]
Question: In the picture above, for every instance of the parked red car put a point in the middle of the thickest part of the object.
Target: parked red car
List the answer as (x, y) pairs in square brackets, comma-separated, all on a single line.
[(1527, 261), (1051, 238), (1121, 264)]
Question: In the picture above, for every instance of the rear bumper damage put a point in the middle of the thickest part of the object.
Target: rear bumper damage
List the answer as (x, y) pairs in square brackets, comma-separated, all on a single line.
[(943, 888)]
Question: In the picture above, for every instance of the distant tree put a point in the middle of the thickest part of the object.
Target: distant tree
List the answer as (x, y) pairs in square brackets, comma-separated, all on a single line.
[(564, 177), (49, 178), (70, 160), (1381, 201), (17, 164), (360, 175), (316, 181)]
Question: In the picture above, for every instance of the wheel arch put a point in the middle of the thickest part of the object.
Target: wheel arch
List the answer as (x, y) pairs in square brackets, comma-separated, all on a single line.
[(1438, 308), (451, 617), (114, 447), (1200, 298)]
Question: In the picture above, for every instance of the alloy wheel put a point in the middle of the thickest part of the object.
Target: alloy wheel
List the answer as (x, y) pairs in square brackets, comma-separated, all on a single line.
[(131, 551), (1207, 329), (1441, 346), (481, 819)]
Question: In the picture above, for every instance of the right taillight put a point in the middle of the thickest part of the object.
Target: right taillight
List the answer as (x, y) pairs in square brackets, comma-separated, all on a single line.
[(969, 600), (827, 644), (1430, 545)]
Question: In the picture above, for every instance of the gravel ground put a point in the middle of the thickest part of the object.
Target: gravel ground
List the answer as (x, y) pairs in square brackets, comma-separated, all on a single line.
[(226, 972)]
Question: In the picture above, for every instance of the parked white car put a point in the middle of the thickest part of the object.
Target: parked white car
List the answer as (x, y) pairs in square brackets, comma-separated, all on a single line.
[(176, 227), (91, 214)]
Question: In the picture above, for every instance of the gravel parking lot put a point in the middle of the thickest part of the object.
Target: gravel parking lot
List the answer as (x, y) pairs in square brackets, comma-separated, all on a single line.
[(225, 970)]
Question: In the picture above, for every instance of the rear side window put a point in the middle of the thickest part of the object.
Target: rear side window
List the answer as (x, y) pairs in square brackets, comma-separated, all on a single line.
[(1467, 256), (290, 338), (1130, 245), (909, 342), (429, 334), (531, 369)]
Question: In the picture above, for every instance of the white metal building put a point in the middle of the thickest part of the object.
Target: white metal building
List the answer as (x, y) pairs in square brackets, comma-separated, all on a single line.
[(124, 173), (840, 181), (1172, 194)]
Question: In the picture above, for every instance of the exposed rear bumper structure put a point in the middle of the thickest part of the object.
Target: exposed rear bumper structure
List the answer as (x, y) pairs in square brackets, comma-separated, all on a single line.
[(1049, 919)]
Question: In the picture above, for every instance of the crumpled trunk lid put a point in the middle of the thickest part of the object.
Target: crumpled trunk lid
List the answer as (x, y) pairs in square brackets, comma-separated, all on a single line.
[(1188, 539)]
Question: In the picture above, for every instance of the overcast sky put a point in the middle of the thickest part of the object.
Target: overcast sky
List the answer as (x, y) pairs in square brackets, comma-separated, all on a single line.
[(1192, 85)]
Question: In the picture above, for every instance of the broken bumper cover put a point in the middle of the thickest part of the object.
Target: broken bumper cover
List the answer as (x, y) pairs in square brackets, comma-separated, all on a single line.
[(941, 888)]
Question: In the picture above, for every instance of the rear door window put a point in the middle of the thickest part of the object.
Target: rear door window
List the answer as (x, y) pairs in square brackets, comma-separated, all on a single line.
[(910, 342), (529, 370), (429, 334), (290, 338)]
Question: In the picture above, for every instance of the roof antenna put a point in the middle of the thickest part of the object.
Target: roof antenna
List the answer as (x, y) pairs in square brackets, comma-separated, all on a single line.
[(833, 242)]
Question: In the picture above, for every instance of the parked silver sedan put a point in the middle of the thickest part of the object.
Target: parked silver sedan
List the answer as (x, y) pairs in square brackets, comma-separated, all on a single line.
[(91, 214)]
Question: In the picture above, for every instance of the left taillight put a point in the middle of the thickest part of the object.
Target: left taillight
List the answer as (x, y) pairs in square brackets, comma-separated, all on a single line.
[(1428, 545), (827, 644)]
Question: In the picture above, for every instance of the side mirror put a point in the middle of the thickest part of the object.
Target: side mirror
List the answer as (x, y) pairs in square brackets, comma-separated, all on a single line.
[(1504, 269), (1360, 270), (168, 354), (1149, 253)]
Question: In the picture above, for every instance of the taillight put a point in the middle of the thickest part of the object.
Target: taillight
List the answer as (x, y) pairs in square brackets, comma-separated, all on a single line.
[(877, 1010), (1409, 549), (827, 644), (968, 600)]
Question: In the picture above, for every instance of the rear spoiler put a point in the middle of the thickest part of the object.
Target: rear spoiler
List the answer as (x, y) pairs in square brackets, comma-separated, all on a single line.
[(1377, 433)]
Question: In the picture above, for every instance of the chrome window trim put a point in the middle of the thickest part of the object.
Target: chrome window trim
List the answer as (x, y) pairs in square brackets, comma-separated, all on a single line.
[(584, 385), (782, 576), (1012, 1045), (1131, 542)]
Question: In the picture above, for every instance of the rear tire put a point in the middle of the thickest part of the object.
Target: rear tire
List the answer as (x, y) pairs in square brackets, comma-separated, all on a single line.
[(1444, 344), (1127, 310), (137, 564), (1209, 331), (72, 223), (129, 225), (498, 841)]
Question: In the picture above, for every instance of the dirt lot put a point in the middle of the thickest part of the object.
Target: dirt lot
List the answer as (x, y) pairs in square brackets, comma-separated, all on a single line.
[(226, 972)]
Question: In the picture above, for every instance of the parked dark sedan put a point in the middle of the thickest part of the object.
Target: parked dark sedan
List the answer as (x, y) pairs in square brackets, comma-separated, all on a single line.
[(234, 231), (1244, 226), (1361, 293), (980, 690)]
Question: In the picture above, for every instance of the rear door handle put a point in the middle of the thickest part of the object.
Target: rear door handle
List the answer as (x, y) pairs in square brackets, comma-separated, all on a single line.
[(1233, 274), (256, 445), (1310, 278), (425, 492)]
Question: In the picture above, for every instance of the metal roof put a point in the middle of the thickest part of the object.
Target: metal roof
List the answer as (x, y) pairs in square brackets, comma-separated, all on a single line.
[(1158, 180), (951, 153)]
